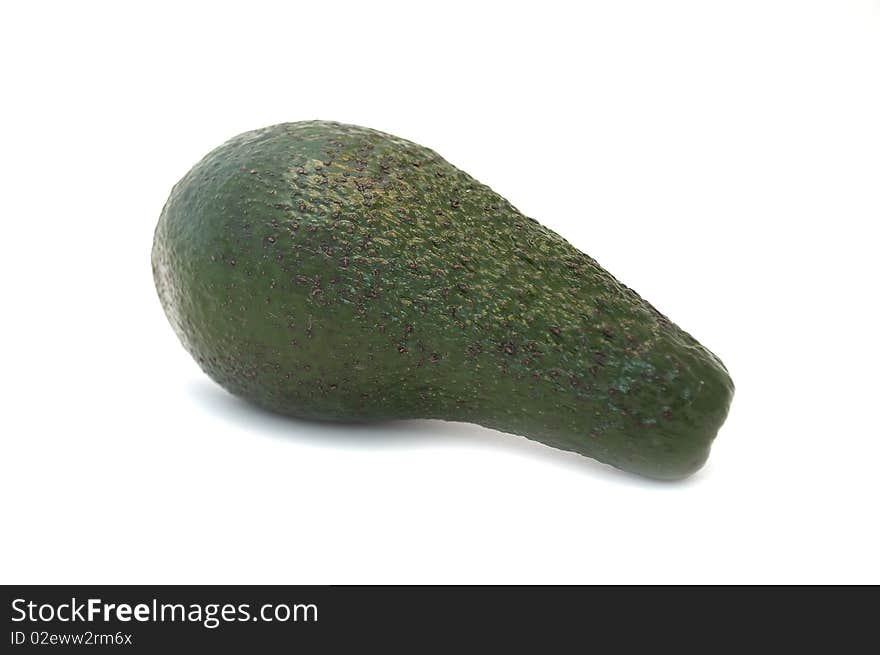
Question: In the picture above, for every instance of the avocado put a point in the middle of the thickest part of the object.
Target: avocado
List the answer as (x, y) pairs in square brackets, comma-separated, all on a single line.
[(333, 272)]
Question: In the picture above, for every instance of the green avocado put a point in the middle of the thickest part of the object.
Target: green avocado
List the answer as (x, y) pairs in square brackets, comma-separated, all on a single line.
[(334, 272)]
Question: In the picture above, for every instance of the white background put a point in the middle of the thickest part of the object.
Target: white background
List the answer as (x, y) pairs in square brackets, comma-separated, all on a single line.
[(722, 158)]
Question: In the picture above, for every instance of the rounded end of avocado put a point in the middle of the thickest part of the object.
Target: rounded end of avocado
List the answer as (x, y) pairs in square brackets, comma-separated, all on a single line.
[(684, 447)]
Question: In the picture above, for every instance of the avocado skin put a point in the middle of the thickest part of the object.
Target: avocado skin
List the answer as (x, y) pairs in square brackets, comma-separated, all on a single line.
[(334, 272)]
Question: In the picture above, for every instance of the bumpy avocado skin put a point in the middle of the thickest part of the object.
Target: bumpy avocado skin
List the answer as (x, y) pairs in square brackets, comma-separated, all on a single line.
[(334, 272)]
